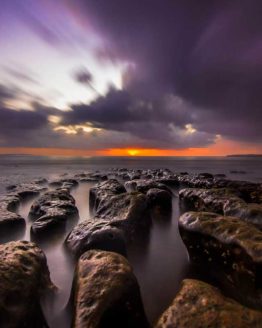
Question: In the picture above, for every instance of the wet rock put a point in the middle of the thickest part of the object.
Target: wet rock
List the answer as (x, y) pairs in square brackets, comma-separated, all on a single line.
[(24, 278), (103, 190), (205, 176), (106, 293), (169, 181), (95, 234), (41, 181), (199, 304), (64, 183), (8, 216), (223, 201), (27, 190), (248, 212), (210, 200), (230, 247), (131, 207), (53, 209), (118, 219), (144, 185), (195, 181), (159, 198)]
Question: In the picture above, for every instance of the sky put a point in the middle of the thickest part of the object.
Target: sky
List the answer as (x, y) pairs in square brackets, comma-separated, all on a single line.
[(141, 77)]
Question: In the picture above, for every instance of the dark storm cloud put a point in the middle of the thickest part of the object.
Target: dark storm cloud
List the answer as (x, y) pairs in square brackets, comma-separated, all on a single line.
[(7, 93), (207, 52), (20, 120), (160, 123)]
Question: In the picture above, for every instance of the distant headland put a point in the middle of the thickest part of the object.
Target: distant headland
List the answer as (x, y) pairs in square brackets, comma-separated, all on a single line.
[(245, 155)]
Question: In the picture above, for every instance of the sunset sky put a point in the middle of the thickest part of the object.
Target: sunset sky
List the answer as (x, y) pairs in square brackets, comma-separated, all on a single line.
[(141, 77)]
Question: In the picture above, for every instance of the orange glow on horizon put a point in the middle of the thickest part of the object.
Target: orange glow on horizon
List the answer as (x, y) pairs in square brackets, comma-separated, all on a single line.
[(221, 148)]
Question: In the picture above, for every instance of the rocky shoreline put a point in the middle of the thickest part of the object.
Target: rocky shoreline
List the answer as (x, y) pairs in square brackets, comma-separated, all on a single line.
[(220, 225)]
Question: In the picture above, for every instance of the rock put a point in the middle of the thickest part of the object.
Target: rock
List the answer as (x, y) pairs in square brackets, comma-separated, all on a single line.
[(106, 293), (159, 198), (8, 216), (104, 189), (205, 176), (144, 185), (251, 213), (64, 183), (118, 219), (227, 247), (168, 181), (24, 278), (52, 209), (41, 181), (200, 305), (129, 207), (223, 201), (27, 190), (210, 200), (95, 234)]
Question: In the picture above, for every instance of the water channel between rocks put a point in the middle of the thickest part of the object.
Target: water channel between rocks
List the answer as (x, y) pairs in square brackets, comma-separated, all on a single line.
[(160, 262)]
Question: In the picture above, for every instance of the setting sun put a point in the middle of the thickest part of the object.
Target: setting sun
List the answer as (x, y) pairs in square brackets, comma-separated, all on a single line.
[(133, 152)]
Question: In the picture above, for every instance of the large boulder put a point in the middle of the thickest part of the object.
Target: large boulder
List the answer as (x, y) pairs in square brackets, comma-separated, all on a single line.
[(129, 207), (119, 219), (222, 201), (200, 305), (52, 210), (210, 200), (103, 190), (95, 234), (106, 293), (24, 278), (230, 248)]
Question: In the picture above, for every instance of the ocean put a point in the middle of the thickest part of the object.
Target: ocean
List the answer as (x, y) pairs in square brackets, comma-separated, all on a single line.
[(160, 262)]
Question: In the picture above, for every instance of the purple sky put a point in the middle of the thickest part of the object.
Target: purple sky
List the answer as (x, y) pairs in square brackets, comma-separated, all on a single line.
[(100, 74)]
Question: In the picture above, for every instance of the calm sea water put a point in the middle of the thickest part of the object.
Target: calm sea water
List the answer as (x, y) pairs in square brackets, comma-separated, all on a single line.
[(160, 261)]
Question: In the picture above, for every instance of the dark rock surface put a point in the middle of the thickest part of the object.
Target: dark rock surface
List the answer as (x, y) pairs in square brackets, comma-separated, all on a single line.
[(95, 234), (223, 201), (8, 216), (200, 305), (52, 209), (159, 198), (104, 189), (227, 246), (106, 293), (118, 219), (27, 190), (24, 278), (210, 200), (144, 185)]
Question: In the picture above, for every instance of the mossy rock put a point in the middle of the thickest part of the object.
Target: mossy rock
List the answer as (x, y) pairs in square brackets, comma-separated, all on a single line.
[(200, 305), (229, 248), (24, 278), (106, 293)]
